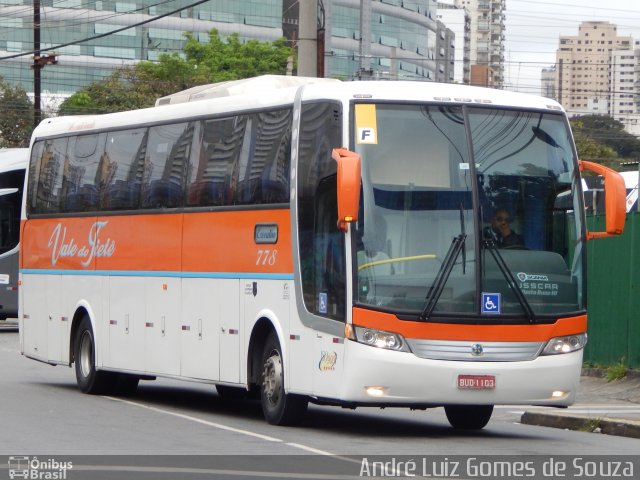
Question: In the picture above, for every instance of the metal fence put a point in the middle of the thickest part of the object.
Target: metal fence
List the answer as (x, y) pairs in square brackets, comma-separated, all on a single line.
[(614, 295)]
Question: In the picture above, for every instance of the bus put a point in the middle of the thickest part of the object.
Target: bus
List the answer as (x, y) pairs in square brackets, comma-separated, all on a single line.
[(311, 240), (631, 184), (13, 163)]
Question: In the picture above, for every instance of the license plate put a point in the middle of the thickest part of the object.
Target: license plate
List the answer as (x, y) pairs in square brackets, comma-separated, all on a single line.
[(477, 382)]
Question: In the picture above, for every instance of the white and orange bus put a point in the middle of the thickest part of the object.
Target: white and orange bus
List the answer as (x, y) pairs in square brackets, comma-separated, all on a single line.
[(314, 241)]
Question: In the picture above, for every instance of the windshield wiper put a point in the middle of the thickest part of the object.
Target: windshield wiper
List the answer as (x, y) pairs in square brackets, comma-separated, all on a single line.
[(490, 245), (457, 245)]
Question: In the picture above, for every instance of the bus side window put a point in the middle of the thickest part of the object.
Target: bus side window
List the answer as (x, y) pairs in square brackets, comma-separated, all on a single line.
[(124, 153), (263, 174), (168, 150), (210, 181), (81, 193), (10, 209), (321, 245), (50, 188), (330, 254)]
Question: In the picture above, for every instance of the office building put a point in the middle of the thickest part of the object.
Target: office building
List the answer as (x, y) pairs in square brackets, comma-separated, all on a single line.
[(99, 35)]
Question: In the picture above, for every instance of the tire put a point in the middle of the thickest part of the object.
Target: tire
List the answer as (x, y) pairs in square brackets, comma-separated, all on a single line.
[(278, 407), (88, 378), (468, 417)]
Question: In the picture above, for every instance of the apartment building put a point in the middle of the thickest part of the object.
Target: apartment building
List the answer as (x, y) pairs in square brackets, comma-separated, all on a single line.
[(487, 40), (586, 66), (458, 20)]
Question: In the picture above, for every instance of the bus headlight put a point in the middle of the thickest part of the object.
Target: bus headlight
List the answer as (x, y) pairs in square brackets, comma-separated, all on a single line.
[(567, 344), (378, 338)]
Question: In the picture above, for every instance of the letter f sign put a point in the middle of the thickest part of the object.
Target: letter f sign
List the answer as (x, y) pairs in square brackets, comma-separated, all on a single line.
[(367, 135)]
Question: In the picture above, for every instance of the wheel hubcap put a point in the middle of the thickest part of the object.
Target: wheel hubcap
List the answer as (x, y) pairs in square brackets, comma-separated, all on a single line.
[(86, 353), (272, 378)]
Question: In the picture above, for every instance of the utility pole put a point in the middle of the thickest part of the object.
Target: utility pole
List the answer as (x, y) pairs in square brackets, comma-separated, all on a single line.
[(308, 39), (560, 81), (39, 61), (366, 71)]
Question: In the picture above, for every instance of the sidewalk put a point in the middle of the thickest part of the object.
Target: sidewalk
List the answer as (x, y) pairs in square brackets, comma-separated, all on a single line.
[(612, 408)]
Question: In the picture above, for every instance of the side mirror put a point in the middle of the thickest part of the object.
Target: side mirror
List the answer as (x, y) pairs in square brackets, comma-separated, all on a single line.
[(348, 186), (615, 198)]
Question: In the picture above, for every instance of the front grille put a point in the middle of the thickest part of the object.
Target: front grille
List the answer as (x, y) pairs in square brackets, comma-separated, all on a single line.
[(476, 351)]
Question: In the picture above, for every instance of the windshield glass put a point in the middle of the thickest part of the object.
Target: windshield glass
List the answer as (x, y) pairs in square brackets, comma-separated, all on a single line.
[(479, 226), (524, 164)]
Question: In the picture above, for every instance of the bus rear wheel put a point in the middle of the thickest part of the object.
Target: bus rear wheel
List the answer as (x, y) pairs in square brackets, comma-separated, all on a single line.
[(278, 407), (468, 417), (88, 378)]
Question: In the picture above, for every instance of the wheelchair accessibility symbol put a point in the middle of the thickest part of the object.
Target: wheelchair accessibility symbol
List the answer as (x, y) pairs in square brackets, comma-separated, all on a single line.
[(491, 303)]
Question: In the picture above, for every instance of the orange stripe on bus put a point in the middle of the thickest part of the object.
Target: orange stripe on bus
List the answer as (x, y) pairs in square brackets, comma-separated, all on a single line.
[(190, 242), (480, 333)]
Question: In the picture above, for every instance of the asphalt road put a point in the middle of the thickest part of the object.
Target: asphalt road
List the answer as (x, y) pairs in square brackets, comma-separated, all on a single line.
[(42, 412)]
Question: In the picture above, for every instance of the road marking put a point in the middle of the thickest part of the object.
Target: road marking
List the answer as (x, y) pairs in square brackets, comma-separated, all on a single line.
[(219, 426), (310, 449), (196, 420)]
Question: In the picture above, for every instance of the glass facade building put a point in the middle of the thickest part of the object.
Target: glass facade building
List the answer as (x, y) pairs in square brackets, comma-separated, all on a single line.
[(402, 39), (99, 35)]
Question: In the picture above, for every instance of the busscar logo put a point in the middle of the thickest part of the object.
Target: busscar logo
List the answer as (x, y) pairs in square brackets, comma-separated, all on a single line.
[(525, 277), (38, 469), (537, 285)]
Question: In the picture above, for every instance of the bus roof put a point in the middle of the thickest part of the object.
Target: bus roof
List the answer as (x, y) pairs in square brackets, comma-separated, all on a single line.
[(240, 87), (13, 159), (272, 91)]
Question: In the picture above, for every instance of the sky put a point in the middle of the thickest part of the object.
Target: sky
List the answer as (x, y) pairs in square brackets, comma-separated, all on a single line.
[(533, 30)]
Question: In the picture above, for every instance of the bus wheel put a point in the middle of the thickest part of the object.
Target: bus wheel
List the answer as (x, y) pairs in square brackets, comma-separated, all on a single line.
[(89, 379), (468, 417), (278, 407)]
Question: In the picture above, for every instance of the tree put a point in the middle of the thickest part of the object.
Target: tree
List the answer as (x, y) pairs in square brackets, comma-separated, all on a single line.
[(16, 121), (610, 132), (218, 60), (589, 148)]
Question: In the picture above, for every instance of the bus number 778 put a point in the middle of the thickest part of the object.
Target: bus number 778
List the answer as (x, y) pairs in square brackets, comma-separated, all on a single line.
[(266, 257)]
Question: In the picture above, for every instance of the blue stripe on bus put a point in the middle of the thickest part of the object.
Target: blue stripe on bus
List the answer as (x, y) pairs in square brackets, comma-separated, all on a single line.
[(136, 273)]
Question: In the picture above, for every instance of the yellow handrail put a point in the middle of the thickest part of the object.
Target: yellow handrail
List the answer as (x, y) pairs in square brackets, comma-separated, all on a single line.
[(426, 256)]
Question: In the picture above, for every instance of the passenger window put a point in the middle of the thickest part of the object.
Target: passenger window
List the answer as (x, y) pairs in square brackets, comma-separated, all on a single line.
[(168, 150), (80, 190), (10, 204), (211, 176), (51, 169), (263, 176), (121, 169)]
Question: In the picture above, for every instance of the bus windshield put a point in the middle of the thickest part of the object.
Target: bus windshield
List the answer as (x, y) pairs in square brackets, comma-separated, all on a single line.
[(468, 211)]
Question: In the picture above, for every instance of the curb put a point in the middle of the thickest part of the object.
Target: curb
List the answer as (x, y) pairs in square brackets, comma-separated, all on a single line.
[(606, 425)]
